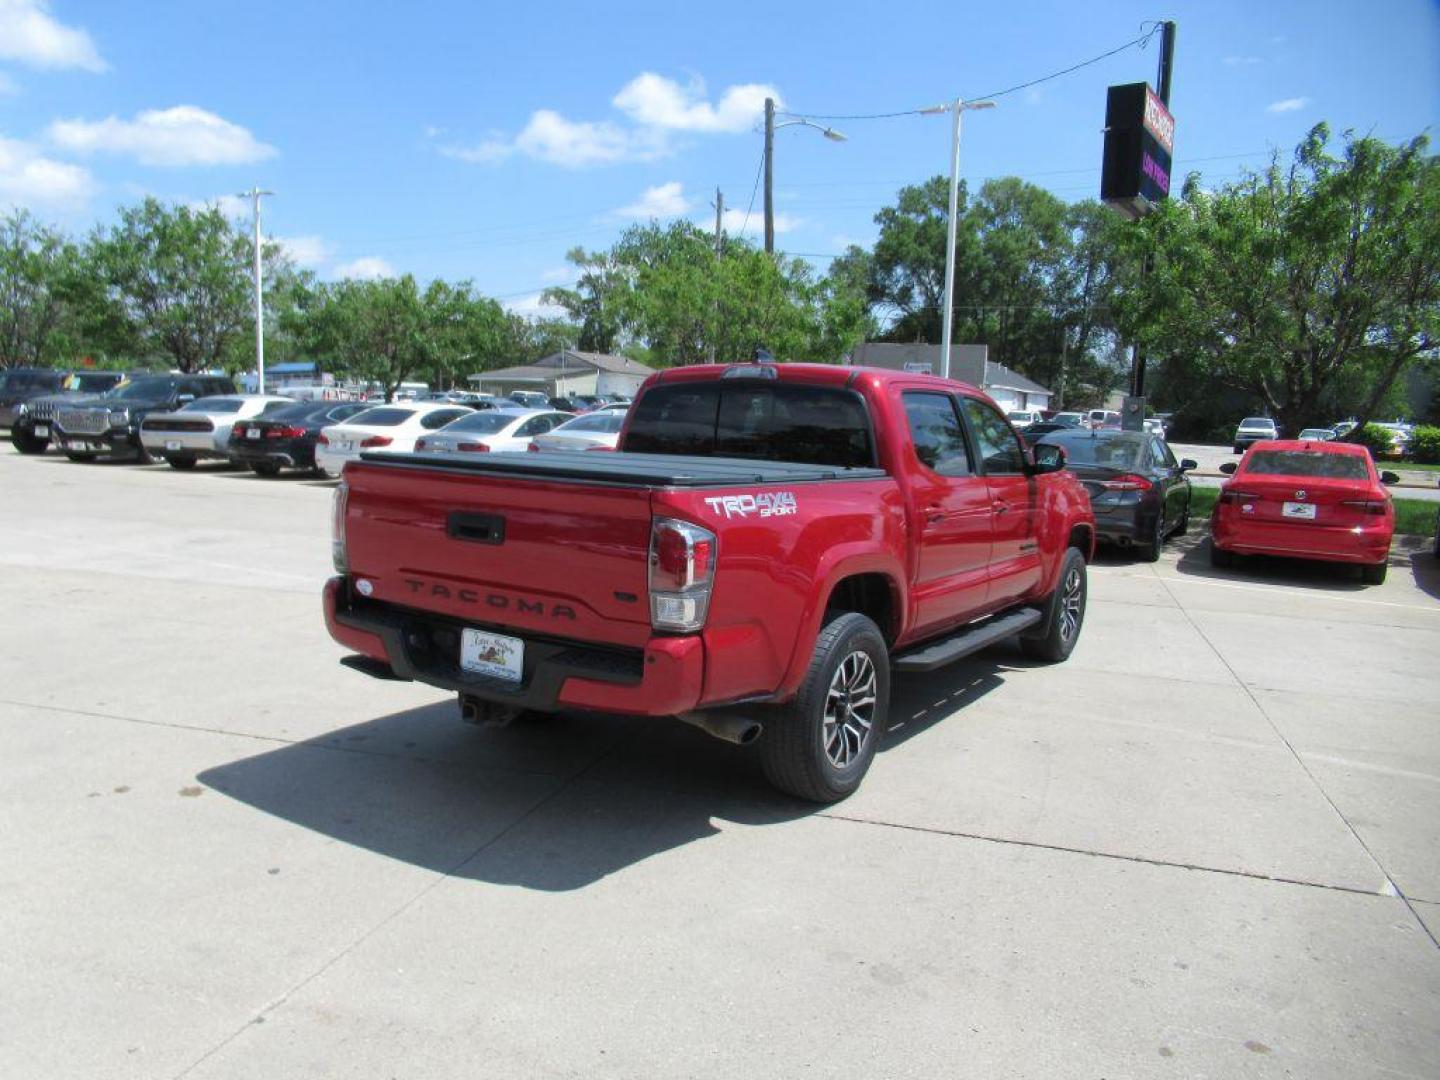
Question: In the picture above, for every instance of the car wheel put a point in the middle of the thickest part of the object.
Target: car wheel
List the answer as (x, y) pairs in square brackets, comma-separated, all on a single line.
[(264, 468), (1184, 524), (1150, 551), (1219, 556), (180, 461), (820, 745), (1375, 574), (142, 456), (27, 443), (79, 455), (1064, 613)]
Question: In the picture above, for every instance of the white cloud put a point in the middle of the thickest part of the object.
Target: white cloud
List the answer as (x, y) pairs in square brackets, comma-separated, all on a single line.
[(29, 34), (366, 268), (485, 153), (305, 250), (1293, 104), (661, 201), (735, 224), (182, 135), (577, 143), (559, 274), (30, 180), (232, 206), (654, 101), (530, 306), (1240, 61)]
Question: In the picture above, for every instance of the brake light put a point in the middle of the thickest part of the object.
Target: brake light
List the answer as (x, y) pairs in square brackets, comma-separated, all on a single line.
[(1128, 482), (1233, 497), (419, 445), (238, 431), (322, 440), (374, 441), (532, 448), (284, 433), (474, 447), (1366, 506), (682, 570), (337, 529), (606, 449)]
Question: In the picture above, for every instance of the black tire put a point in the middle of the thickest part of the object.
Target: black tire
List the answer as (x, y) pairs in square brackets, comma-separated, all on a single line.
[(1183, 526), (1220, 557), (1150, 551), (1069, 598), (27, 443), (142, 456), (180, 461), (264, 468), (798, 754), (1374, 574), (80, 455)]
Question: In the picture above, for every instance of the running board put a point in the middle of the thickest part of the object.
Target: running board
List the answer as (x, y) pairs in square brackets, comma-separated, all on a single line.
[(971, 639)]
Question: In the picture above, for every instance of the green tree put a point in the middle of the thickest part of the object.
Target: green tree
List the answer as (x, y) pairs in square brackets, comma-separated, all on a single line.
[(38, 271), (1297, 280)]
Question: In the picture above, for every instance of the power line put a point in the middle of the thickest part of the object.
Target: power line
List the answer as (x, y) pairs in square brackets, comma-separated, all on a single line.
[(753, 191), (1140, 41)]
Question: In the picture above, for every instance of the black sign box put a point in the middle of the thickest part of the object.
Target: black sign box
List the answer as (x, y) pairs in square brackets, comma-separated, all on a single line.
[(1139, 143)]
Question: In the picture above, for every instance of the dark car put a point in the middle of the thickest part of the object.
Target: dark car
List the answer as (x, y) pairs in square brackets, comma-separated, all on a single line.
[(1031, 432), (110, 424), (285, 438), (31, 431), (1139, 492), (565, 404), (19, 385)]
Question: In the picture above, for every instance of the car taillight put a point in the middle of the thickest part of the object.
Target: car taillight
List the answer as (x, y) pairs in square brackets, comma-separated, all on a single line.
[(337, 529), (682, 569), (473, 447), (284, 432), (1233, 497), (1128, 482), (419, 445), (374, 441), (533, 448), (238, 431), (609, 449), (322, 440), (1365, 506)]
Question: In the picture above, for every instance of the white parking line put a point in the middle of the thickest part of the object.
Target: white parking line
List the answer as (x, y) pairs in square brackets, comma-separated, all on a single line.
[(1432, 609)]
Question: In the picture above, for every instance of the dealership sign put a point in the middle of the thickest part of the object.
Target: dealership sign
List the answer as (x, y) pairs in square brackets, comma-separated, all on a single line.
[(1139, 145)]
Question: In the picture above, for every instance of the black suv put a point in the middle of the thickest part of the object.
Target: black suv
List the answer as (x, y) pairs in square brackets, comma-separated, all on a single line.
[(110, 424), (19, 385), (30, 432)]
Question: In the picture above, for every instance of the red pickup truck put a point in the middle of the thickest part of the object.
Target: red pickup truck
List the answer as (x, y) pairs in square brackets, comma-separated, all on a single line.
[(769, 543)]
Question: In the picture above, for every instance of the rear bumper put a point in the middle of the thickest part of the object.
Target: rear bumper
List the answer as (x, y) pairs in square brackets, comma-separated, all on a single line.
[(1331, 544), (1123, 524), (197, 444), (290, 455), (663, 678), (117, 444)]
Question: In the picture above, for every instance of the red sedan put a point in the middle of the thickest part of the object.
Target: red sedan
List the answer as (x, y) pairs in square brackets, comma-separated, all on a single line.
[(1306, 500)]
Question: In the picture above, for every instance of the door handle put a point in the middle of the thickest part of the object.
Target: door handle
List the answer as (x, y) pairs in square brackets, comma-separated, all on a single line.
[(934, 515), (1000, 506)]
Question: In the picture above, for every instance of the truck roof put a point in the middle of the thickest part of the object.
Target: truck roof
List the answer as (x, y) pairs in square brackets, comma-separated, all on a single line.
[(818, 374)]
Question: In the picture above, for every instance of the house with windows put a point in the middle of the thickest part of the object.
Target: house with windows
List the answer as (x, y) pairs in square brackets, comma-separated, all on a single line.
[(567, 373), (968, 363)]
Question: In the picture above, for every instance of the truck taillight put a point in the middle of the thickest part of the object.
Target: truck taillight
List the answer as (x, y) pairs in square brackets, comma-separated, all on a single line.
[(682, 569), (337, 529), (1128, 482)]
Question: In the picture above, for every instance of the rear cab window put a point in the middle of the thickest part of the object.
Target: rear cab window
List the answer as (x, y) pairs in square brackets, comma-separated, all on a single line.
[(768, 421)]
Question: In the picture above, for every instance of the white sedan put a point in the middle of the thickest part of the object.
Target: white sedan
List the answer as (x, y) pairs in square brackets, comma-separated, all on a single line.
[(391, 428), (598, 430), (493, 430)]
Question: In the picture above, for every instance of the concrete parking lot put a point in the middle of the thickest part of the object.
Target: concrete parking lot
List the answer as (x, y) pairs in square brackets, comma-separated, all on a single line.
[(1207, 846)]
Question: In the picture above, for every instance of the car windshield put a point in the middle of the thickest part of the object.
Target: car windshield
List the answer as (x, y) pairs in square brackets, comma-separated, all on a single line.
[(607, 422), (1258, 422), (213, 405), (385, 416), (1331, 465), (88, 383), (1019, 414), (1316, 433), (491, 422), (156, 386), (770, 422), (1119, 452)]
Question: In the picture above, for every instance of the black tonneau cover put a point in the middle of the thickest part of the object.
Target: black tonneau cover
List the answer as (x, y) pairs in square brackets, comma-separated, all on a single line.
[(626, 469)]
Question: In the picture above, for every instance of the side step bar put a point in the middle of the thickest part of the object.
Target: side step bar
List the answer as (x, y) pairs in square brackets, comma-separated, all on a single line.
[(970, 639)]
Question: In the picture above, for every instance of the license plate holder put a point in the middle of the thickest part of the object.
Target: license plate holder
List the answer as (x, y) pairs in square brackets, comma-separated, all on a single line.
[(344, 446), (42, 431), (252, 433), (1298, 511), (172, 444), (497, 656)]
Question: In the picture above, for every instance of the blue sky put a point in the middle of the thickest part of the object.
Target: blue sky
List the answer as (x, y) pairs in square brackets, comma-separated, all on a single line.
[(483, 141)]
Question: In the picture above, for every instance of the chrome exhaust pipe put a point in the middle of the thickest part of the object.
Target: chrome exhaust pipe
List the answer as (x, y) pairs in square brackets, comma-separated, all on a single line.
[(731, 727)]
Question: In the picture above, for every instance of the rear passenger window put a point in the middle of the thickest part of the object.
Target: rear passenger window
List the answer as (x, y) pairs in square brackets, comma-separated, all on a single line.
[(995, 439), (936, 432)]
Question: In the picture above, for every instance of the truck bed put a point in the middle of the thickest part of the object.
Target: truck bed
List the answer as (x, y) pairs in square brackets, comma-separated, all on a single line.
[(626, 469)]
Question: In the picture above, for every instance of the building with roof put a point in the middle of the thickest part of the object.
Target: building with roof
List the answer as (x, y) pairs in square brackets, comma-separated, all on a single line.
[(567, 373), (968, 363)]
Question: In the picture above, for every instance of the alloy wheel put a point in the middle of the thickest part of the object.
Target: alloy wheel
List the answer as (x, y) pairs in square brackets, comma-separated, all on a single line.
[(849, 709), (1072, 601)]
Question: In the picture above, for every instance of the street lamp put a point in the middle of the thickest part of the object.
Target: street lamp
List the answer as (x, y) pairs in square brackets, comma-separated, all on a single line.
[(770, 126), (957, 109)]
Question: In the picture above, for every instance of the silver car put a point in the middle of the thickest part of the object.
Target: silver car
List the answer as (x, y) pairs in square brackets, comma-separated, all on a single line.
[(201, 429), (492, 431)]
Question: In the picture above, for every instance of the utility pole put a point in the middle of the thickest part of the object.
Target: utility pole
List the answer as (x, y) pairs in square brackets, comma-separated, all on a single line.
[(719, 248), (255, 194), (769, 176)]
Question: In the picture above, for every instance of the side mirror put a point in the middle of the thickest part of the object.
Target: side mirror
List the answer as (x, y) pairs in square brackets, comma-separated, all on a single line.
[(1228, 468), (1047, 458), (185, 399), (1186, 464), (1388, 477)]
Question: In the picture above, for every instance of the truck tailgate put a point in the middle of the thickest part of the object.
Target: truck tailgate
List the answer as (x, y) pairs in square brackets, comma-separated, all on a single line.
[(515, 551)]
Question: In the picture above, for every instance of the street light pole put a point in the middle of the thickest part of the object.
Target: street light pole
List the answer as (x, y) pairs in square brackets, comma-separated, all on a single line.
[(770, 126), (254, 194), (947, 313)]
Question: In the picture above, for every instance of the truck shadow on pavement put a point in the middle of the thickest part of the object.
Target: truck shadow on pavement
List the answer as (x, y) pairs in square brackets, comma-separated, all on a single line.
[(553, 804)]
